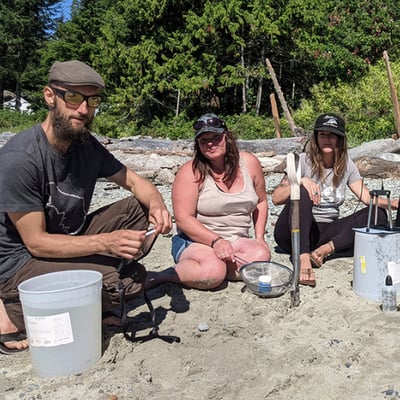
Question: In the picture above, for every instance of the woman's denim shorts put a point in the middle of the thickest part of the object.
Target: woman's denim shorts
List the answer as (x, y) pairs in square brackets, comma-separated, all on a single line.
[(179, 243)]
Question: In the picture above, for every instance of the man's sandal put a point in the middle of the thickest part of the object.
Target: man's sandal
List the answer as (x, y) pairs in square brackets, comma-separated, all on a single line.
[(11, 337)]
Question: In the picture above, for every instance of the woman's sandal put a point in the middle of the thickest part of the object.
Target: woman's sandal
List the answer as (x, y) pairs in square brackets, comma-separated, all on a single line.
[(317, 260), (307, 277), (314, 258)]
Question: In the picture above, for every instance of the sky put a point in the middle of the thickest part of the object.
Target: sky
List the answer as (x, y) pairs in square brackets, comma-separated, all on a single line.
[(66, 8)]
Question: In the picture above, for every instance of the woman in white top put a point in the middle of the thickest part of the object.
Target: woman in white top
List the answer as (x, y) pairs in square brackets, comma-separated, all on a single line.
[(326, 171), (217, 198)]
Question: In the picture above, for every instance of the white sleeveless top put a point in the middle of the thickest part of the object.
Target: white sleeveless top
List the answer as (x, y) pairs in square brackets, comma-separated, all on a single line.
[(227, 214)]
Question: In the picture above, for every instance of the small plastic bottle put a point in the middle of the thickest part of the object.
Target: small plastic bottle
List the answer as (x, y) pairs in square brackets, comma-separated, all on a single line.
[(389, 301), (264, 283)]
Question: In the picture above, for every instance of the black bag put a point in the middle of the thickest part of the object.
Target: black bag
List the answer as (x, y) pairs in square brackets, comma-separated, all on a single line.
[(136, 273)]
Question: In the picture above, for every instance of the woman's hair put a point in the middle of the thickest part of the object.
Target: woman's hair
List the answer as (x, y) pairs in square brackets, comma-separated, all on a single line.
[(201, 165), (339, 163)]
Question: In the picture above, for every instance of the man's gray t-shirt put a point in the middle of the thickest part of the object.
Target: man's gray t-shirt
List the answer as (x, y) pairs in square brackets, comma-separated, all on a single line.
[(331, 198), (35, 177)]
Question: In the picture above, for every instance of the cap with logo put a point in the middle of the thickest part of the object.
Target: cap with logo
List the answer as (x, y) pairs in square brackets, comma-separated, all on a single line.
[(330, 123), (75, 73), (209, 123)]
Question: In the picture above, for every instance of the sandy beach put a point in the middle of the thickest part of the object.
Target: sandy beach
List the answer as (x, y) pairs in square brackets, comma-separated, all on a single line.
[(334, 345)]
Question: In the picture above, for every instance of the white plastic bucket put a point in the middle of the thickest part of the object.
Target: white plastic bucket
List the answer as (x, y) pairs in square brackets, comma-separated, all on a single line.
[(372, 251), (62, 314)]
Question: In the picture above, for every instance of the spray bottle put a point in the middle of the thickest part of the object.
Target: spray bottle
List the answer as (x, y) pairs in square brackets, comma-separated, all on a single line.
[(389, 301)]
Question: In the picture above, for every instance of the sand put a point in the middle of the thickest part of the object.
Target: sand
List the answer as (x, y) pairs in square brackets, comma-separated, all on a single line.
[(333, 345)]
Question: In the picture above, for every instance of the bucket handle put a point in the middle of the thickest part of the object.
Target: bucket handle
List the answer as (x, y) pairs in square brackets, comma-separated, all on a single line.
[(374, 197)]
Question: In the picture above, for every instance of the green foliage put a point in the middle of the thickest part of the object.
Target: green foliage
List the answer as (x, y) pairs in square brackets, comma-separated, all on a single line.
[(23, 30), (366, 105), (178, 128), (12, 121), (245, 126), (248, 126), (166, 58), (109, 125)]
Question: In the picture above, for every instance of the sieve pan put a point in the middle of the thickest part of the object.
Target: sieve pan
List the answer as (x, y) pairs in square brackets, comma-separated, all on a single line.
[(255, 274)]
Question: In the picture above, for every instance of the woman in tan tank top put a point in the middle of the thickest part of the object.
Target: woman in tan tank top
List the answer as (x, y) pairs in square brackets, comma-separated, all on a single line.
[(218, 198)]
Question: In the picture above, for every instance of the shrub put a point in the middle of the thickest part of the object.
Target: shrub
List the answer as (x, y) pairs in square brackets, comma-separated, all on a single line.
[(13, 121), (366, 105)]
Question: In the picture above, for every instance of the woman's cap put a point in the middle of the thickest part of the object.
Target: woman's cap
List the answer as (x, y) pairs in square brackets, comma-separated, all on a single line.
[(209, 123), (75, 73), (330, 123)]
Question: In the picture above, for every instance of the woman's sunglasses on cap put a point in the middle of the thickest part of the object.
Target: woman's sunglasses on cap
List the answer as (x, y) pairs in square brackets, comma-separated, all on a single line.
[(213, 122), (76, 99)]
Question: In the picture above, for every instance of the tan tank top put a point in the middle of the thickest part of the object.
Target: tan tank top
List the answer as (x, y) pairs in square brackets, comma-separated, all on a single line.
[(227, 214)]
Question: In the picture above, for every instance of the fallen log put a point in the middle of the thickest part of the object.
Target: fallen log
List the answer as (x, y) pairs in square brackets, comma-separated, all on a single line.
[(375, 167)]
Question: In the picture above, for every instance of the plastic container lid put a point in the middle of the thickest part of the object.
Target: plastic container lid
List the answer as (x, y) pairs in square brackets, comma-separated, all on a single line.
[(388, 281), (265, 279)]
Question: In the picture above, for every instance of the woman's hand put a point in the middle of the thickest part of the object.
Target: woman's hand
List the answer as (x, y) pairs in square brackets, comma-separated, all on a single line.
[(224, 250), (313, 189)]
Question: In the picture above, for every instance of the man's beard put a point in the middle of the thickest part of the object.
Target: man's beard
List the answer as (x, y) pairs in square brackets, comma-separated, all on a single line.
[(65, 132)]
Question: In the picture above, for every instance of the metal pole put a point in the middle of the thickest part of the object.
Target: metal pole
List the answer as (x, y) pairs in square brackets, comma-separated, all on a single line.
[(295, 235), (294, 176)]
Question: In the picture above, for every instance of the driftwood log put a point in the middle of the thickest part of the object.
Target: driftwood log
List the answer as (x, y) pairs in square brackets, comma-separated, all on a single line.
[(375, 167), (159, 159)]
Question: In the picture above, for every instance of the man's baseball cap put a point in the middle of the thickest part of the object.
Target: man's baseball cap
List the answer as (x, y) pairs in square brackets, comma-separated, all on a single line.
[(75, 73), (330, 123)]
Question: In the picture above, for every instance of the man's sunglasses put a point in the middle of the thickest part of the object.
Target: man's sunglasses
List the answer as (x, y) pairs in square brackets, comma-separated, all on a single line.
[(76, 99), (213, 122)]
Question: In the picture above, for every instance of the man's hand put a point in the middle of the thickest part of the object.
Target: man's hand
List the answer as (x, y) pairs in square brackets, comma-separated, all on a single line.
[(126, 243), (160, 217)]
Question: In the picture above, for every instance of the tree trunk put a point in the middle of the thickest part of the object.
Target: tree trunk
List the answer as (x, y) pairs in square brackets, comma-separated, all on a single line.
[(275, 115), (393, 93), (18, 96), (295, 131), (260, 83), (1, 95), (245, 83), (177, 103)]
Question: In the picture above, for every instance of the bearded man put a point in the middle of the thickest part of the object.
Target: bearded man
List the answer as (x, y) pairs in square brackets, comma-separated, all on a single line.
[(47, 178)]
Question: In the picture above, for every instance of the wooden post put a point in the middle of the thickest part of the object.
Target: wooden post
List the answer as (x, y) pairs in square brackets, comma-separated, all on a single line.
[(393, 93), (177, 103), (275, 116), (293, 128)]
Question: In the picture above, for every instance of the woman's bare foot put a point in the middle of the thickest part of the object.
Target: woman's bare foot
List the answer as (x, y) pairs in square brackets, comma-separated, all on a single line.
[(307, 274), (11, 341)]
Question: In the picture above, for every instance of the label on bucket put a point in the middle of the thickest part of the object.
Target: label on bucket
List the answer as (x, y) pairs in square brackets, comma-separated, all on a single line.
[(363, 264), (50, 331)]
